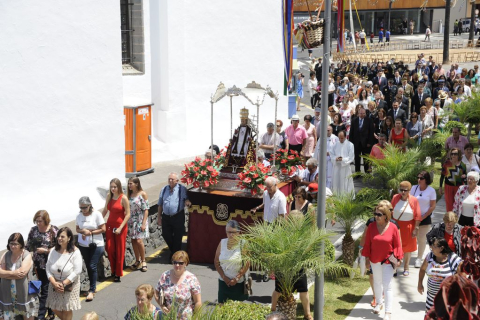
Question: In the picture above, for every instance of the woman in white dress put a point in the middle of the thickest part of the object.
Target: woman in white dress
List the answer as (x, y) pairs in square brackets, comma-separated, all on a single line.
[(64, 267)]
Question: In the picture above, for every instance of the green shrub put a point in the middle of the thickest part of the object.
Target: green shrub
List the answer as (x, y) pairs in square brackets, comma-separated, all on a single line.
[(233, 310), (329, 251), (452, 124), (376, 194)]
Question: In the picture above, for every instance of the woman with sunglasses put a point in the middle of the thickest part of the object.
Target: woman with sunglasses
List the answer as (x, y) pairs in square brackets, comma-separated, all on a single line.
[(467, 201), (301, 203), (179, 286), (453, 174), (228, 265), (362, 242), (407, 213), (90, 225), (427, 198), (64, 267), (382, 240), (40, 241), (15, 269), (414, 128), (438, 265)]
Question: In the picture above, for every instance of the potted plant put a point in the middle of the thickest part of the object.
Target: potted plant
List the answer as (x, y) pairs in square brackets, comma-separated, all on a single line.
[(287, 162), (346, 209), (285, 248), (200, 173), (253, 178)]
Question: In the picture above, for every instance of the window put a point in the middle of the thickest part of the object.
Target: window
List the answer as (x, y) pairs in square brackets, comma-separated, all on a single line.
[(131, 21)]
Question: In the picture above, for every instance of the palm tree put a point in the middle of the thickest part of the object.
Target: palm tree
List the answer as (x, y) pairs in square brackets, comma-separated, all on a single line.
[(397, 166), (346, 209), (468, 111), (286, 248)]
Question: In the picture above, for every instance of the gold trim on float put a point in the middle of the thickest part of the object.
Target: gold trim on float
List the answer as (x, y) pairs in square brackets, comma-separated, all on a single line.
[(243, 214)]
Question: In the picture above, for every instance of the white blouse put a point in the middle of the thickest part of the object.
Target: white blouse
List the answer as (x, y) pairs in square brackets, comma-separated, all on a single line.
[(407, 214), (469, 205), (64, 266)]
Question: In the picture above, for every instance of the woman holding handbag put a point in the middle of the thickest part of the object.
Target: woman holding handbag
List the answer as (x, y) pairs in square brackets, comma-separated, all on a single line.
[(228, 257), (383, 252), (408, 214), (15, 267), (41, 240), (64, 267), (90, 226)]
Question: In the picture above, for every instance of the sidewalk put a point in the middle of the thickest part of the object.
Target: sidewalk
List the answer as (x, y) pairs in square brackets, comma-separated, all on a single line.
[(407, 302)]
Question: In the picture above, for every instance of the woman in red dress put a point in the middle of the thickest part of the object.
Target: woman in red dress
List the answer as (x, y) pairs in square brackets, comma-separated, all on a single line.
[(407, 213), (399, 135), (119, 207)]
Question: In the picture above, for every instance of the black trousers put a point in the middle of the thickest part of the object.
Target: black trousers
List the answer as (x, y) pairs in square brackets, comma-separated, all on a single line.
[(173, 228), (42, 297), (359, 151)]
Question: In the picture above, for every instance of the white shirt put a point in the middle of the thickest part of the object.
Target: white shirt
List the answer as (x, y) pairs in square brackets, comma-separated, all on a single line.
[(312, 84), (267, 139), (230, 260), (90, 222), (275, 206), (424, 197), (407, 214), (307, 176), (69, 264), (468, 205)]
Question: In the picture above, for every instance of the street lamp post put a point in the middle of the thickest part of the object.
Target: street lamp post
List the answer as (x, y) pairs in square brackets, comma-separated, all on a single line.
[(446, 33)]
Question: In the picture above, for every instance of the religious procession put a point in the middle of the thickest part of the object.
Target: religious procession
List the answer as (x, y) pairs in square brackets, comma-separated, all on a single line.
[(343, 183)]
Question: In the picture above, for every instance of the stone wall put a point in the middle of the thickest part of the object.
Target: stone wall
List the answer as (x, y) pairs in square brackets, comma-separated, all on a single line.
[(152, 244)]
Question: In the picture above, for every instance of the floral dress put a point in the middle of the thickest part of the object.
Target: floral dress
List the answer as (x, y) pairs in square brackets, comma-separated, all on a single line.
[(138, 205), (182, 293), (37, 239)]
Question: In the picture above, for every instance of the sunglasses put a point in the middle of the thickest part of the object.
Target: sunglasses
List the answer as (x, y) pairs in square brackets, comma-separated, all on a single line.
[(454, 154), (403, 190), (178, 263), (378, 214), (83, 208), (421, 178)]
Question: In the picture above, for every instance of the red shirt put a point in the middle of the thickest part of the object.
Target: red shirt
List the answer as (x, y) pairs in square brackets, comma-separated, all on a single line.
[(449, 238), (379, 247), (377, 152)]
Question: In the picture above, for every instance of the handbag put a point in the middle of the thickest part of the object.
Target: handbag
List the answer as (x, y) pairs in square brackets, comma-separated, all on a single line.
[(92, 245), (393, 261), (68, 287), (34, 286)]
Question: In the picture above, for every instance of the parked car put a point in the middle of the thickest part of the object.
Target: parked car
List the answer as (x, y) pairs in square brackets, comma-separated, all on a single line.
[(465, 24)]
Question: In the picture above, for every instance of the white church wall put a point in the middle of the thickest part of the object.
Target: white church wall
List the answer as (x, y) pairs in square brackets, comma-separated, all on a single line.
[(194, 47), (61, 102)]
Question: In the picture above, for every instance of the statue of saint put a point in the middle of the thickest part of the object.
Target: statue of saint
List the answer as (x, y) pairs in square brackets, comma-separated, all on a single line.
[(241, 150)]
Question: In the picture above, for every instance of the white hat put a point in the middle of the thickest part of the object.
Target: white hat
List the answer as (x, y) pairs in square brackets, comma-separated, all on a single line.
[(295, 117), (317, 109)]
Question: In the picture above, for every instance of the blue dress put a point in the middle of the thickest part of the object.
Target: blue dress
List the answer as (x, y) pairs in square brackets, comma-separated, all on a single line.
[(300, 88)]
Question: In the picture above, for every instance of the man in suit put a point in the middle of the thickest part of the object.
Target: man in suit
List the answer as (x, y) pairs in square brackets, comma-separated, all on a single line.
[(361, 135), (419, 100), (389, 92), (397, 79), (380, 102), (318, 70), (402, 102), (407, 92), (397, 113), (380, 80)]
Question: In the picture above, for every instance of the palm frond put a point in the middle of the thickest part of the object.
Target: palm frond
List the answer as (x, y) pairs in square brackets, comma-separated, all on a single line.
[(287, 248)]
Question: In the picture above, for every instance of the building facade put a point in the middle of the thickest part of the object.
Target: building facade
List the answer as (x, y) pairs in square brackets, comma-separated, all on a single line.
[(70, 67)]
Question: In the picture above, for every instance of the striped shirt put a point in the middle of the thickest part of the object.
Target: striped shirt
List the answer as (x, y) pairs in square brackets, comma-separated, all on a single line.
[(437, 272)]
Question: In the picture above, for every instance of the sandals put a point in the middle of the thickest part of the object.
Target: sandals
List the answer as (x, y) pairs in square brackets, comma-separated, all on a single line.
[(135, 265), (90, 296), (144, 267), (373, 303), (406, 273)]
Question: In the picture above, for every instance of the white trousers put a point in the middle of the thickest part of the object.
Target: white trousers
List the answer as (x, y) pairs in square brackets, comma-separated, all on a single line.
[(382, 277)]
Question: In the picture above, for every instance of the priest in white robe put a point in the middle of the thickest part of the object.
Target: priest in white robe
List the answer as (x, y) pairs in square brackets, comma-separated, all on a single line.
[(331, 141), (342, 155)]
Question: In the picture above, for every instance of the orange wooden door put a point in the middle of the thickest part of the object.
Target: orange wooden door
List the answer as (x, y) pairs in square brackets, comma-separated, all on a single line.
[(129, 152), (143, 138)]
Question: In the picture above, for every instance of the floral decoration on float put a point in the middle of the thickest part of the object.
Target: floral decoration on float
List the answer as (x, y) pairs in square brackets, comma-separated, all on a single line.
[(200, 173), (287, 162), (253, 178)]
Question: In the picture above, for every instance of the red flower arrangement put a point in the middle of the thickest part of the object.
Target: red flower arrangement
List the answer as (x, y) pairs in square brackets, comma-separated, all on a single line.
[(200, 173), (287, 162), (253, 178)]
